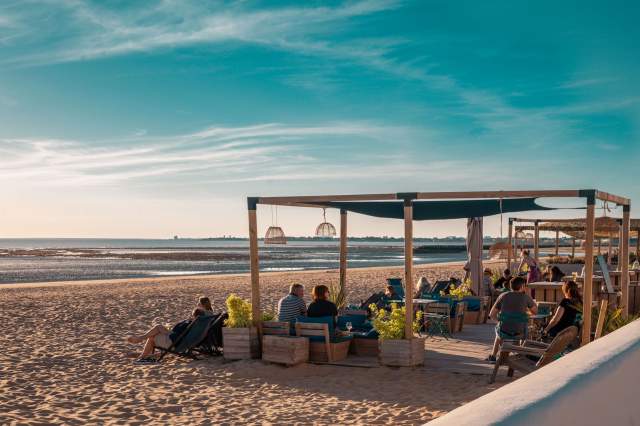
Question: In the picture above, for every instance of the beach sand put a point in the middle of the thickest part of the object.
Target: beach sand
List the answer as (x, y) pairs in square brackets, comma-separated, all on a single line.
[(64, 359)]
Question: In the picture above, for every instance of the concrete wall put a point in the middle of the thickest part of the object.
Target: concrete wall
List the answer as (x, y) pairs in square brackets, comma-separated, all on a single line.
[(598, 384)]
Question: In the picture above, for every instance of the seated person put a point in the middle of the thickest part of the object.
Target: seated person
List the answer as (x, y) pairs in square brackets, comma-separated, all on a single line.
[(567, 311), (423, 287), (160, 337), (292, 305), (389, 295), (556, 274), (321, 306), (515, 301), (204, 303), (487, 283), (501, 283)]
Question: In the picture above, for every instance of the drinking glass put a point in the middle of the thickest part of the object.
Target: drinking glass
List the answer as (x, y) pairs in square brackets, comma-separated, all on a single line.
[(349, 327)]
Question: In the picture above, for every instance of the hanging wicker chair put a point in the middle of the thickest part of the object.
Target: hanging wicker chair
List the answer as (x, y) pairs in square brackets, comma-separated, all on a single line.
[(275, 235), (325, 229)]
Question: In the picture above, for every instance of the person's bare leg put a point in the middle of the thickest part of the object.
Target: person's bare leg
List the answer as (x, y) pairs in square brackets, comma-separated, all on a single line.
[(153, 331), (148, 348)]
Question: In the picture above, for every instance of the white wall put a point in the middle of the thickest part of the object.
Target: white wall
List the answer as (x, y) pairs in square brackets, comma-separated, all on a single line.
[(598, 384)]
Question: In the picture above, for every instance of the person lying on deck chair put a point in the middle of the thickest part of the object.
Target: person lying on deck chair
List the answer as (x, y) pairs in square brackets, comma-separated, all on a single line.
[(513, 302), (159, 336)]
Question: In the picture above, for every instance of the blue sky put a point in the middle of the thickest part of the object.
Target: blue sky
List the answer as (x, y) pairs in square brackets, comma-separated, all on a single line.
[(157, 118)]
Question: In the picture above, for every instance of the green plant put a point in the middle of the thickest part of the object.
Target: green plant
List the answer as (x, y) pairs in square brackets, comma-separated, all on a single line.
[(613, 320), (390, 325), (268, 316), (459, 292), (239, 311), (338, 295), (495, 275)]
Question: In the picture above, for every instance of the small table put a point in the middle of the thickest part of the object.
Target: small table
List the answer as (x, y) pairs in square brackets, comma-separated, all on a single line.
[(422, 305)]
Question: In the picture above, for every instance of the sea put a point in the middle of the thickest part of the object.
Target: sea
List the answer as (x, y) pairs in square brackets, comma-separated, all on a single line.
[(63, 259)]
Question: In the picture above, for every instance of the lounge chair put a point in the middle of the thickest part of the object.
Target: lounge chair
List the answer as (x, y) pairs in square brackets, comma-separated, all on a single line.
[(396, 283), (532, 355), (324, 346), (197, 338)]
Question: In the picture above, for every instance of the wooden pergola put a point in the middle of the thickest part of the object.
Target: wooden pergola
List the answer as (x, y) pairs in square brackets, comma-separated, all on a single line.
[(576, 228), (408, 199)]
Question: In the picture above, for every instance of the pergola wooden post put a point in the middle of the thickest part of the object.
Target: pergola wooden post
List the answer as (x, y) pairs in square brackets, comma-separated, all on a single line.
[(536, 242), (587, 289), (253, 258), (557, 242), (510, 247), (623, 260), (599, 245), (573, 247), (343, 248), (408, 268)]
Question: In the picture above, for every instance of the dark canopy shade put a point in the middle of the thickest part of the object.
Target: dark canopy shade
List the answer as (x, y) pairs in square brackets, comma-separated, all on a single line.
[(432, 210)]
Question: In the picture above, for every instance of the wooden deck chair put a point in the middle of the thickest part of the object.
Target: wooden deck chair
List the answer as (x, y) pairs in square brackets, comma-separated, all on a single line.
[(521, 360), (187, 343), (322, 347)]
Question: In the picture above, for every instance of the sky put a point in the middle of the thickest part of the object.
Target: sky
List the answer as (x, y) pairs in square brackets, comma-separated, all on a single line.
[(158, 118)]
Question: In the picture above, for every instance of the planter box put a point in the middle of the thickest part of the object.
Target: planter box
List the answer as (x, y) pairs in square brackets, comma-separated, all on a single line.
[(318, 351), (364, 347), (402, 353), (240, 343), (285, 350)]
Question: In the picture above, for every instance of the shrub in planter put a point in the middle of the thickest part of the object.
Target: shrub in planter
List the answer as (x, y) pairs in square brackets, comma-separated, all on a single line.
[(240, 337), (395, 350)]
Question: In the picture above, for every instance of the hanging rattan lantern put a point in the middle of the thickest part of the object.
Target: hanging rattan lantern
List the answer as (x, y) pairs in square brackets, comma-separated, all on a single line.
[(499, 250), (325, 229), (275, 234)]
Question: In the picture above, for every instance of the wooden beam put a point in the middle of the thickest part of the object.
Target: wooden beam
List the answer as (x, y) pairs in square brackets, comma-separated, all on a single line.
[(408, 269), (255, 272), (624, 263), (605, 196), (536, 243), (510, 248), (326, 198), (496, 194), (602, 313), (343, 248), (557, 242), (599, 246), (573, 247), (587, 288)]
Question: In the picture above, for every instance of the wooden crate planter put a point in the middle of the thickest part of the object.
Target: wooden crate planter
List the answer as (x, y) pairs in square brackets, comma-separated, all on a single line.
[(402, 353), (364, 347), (240, 343), (285, 350)]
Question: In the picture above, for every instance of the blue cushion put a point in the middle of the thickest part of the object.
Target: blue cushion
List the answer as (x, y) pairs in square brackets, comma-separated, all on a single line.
[(357, 321), (473, 303)]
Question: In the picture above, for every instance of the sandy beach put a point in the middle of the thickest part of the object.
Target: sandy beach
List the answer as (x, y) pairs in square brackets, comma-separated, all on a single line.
[(65, 360)]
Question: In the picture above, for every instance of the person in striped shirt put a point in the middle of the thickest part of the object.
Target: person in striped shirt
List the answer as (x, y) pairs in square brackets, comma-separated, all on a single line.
[(292, 305)]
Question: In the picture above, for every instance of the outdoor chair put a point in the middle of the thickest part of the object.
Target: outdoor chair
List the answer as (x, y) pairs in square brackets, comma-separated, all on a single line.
[(324, 346), (437, 319), (518, 320), (532, 355), (195, 339), (396, 283)]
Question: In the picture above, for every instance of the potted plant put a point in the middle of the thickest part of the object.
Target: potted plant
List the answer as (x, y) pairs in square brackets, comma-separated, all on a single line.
[(395, 349), (239, 336)]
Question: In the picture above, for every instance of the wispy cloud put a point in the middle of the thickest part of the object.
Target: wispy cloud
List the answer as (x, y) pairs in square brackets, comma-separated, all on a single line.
[(218, 153), (100, 32)]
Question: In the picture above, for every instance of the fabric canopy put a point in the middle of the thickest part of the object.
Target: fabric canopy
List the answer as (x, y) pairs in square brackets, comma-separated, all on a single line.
[(433, 210)]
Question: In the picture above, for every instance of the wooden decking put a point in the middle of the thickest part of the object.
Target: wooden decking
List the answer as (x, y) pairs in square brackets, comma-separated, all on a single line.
[(462, 353)]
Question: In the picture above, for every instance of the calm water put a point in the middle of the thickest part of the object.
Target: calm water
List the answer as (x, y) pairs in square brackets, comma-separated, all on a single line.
[(67, 264)]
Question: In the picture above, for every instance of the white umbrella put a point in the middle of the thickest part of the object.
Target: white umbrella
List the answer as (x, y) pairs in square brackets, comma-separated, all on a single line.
[(474, 254)]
